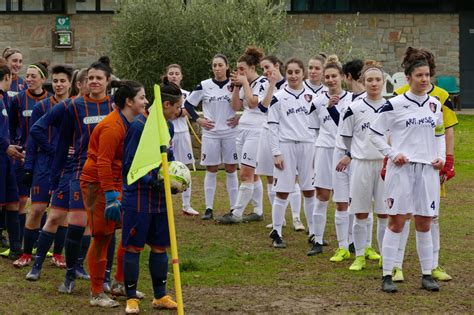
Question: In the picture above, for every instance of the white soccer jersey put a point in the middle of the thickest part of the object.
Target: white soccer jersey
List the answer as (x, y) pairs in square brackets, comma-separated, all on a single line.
[(216, 105), (411, 121), (315, 89), (180, 124), (355, 124), (289, 117), (254, 118), (328, 120), (356, 97)]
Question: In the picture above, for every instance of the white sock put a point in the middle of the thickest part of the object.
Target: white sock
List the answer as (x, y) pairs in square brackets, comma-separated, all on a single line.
[(209, 189), (308, 212), (341, 218), (402, 245), (232, 184), (257, 197), (278, 214), (186, 197), (370, 229), (381, 226), (391, 241), (351, 226), (360, 236), (319, 219), (243, 198), (436, 241), (424, 247), (295, 202), (308, 204), (270, 193)]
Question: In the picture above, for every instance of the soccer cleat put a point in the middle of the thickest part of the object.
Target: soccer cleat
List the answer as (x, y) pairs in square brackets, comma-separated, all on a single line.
[(253, 217), (371, 254), (34, 274), (132, 306), (325, 243), (190, 211), (277, 240), (23, 261), (315, 249), (165, 302), (5, 253), (352, 248), (118, 289), (208, 214), (429, 284), (103, 300), (81, 273), (358, 264), (3, 241), (229, 218), (311, 239), (297, 225), (67, 286), (340, 255), (440, 275), (49, 254), (58, 261), (397, 275), (388, 285)]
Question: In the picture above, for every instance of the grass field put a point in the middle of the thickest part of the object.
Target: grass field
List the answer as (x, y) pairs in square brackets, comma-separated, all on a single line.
[(234, 269)]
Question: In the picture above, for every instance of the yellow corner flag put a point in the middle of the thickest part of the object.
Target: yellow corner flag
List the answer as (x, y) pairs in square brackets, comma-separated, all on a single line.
[(155, 134)]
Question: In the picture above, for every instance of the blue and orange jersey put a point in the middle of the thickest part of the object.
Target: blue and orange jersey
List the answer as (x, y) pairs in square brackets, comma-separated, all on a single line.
[(18, 84), (4, 127), (80, 118), (104, 155), (140, 196), (19, 113), (32, 150)]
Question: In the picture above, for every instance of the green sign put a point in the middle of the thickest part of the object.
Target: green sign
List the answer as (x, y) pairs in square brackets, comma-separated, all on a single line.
[(63, 23)]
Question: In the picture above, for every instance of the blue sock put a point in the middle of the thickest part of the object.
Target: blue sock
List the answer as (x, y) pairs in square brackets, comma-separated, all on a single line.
[(59, 239), (72, 247), (22, 221), (131, 263), (158, 264), (30, 237), (85, 242), (110, 259), (45, 240), (13, 228)]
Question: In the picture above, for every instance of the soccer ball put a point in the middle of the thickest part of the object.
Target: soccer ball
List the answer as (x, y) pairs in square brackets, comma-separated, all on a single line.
[(180, 176)]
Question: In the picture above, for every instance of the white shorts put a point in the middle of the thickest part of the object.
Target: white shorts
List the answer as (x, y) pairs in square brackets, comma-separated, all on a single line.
[(264, 154), (340, 180), (182, 147), (247, 146), (323, 167), (366, 186), (412, 188), (297, 160), (215, 151)]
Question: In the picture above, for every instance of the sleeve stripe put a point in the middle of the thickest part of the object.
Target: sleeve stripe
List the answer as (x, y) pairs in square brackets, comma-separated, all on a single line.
[(380, 134)]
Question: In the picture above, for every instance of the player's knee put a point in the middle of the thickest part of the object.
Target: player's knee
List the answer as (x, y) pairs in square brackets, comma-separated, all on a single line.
[(158, 249), (229, 168), (322, 194), (308, 193), (362, 216), (282, 195), (212, 169), (342, 206)]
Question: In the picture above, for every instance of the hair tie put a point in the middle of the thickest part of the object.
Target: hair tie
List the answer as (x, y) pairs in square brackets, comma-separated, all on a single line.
[(38, 68)]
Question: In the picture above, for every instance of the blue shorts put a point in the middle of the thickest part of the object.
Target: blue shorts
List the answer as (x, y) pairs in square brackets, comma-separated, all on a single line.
[(60, 198), (40, 185), (75, 196), (23, 190), (140, 228), (8, 185)]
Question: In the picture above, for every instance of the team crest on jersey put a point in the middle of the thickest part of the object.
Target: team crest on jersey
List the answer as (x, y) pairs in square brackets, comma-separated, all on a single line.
[(390, 203), (308, 97), (433, 107), (230, 88), (93, 119)]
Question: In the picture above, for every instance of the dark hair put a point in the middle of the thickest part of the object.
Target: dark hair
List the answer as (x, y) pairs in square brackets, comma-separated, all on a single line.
[(67, 70), (252, 56), (409, 68), (332, 62), (106, 60), (170, 92), (413, 54), (125, 89), (4, 68), (274, 60), (42, 67), (299, 62), (354, 68), (8, 52), (223, 57), (78, 75), (104, 65)]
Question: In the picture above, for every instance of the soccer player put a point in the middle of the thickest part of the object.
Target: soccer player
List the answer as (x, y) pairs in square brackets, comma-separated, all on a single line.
[(329, 107), (14, 57), (182, 146), (145, 218), (449, 120), (248, 84), (416, 154), (365, 181), (218, 135), (292, 143), (314, 82), (37, 167)]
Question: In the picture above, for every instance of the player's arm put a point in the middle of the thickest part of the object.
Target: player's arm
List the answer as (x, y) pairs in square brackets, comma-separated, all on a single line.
[(31, 147), (265, 96), (236, 101), (39, 130), (274, 126), (13, 117), (347, 128)]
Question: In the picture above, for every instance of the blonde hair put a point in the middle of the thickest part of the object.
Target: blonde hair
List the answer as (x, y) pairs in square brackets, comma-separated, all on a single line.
[(332, 62)]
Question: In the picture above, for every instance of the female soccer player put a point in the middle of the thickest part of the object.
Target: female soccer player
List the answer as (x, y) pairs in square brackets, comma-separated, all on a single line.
[(14, 58), (248, 85), (145, 215), (417, 153), (182, 147), (329, 107), (218, 138), (365, 181), (292, 142), (449, 120), (37, 166), (315, 75), (101, 180)]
